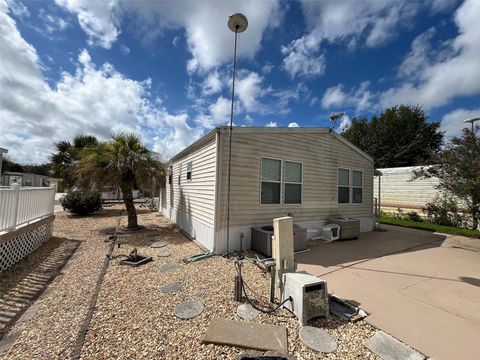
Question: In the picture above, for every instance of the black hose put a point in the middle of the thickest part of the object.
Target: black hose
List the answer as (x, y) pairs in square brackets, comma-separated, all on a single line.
[(266, 311)]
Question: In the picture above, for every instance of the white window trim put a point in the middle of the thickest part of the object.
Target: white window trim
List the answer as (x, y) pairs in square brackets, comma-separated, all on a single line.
[(357, 187), (289, 182), (350, 187), (261, 180)]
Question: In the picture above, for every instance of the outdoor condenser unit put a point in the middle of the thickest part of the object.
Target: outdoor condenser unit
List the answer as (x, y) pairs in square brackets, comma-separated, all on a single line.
[(309, 294), (349, 227)]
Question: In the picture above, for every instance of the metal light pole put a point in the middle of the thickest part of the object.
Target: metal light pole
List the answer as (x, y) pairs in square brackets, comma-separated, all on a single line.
[(237, 23)]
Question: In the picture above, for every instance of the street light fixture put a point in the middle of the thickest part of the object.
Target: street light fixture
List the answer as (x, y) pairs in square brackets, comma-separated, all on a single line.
[(237, 23)]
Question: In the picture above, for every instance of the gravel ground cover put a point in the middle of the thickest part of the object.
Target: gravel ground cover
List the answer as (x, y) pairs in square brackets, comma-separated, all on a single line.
[(134, 318), (52, 331)]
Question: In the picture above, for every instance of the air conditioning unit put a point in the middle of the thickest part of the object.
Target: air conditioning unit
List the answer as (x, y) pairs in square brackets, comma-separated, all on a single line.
[(309, 294), (349, 227), (330, 232)]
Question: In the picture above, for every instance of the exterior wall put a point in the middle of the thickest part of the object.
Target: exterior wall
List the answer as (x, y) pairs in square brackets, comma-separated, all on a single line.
[(191, 204), (321, 154), (398, 190)]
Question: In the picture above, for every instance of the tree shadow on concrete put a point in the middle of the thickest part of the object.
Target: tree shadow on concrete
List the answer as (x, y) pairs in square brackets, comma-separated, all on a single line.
[(23, 283)]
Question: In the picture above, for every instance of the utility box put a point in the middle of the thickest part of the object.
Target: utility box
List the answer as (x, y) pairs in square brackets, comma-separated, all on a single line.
[(262, 237), (309, 294)]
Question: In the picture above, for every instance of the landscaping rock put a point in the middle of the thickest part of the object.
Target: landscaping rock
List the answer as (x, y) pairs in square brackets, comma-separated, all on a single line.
[(164, 254), (389, 348), (158, 244), (247, 312), (189, 309), (169, 267), (318, 339), (172, 287)]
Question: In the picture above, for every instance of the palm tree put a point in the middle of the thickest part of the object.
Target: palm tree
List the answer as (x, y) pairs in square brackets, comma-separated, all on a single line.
[(123, 162), (68, 155)]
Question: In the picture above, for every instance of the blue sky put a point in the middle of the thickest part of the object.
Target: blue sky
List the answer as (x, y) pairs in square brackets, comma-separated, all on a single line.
[(163, 69)]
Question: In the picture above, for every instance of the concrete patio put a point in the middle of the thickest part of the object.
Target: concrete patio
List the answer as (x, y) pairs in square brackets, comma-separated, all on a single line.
[(423, 288)]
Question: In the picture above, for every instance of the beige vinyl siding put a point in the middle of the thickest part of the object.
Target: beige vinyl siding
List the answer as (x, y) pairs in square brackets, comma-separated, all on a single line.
[(399, 190), (195, 197), (321, 155)]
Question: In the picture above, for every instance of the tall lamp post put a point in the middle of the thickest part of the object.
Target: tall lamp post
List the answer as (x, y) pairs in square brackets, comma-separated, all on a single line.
[(237, 23)]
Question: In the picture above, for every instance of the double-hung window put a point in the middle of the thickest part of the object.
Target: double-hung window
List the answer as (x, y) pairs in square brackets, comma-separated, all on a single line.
[(271, 181), (357, 187), (292, 182), (343, 186), (189, 170)]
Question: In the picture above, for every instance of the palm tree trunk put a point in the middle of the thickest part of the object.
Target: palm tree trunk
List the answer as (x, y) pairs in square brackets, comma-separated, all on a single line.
[(127, 195)]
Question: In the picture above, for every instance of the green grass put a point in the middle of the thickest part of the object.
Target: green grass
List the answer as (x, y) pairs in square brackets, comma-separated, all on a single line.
[(429, 226)]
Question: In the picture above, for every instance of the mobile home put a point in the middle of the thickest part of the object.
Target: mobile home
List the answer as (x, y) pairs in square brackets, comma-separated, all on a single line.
[(311, 174)]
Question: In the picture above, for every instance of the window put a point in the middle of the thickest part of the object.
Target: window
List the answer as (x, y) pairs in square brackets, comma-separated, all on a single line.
[(271, 181), (189, 170), (343, 186), (293, 182), (179, 173), (170, 175), (357, 187)]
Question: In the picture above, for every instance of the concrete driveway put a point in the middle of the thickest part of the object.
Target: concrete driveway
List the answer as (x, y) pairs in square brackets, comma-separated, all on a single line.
[(422, 288)]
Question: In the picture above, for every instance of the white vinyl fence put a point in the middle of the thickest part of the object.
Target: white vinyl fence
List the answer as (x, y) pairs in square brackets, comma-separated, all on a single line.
[(23, 205)]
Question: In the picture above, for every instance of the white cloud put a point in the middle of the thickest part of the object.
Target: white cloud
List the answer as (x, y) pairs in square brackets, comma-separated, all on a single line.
[(419, 55), (359, 98), (353, 22), (271, 124), (248, 88), (293, 124), (434, 82), (18, 9), (51, 22), (452, 123), (205, 24), (212, 84), (94, 100), (98, 19), (124, 49)]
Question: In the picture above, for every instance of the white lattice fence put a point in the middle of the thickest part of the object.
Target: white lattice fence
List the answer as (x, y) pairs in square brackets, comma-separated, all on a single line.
[(19, 246)]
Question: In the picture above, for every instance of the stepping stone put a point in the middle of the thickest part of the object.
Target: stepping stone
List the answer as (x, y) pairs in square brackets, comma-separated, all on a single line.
[(389, 348), (318, 339), (164, 254), (158, 244), (247, 312), (247, 334), (169, 267), (189, 309), (172, 287)]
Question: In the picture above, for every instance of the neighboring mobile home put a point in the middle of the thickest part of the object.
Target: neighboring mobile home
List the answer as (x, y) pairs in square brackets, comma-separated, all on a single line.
[(399, 189), (311, 174)]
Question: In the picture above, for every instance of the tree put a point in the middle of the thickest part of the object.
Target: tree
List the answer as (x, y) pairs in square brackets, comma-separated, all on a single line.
[(400, 136), (68, 155), (124, 162), (458, 170)]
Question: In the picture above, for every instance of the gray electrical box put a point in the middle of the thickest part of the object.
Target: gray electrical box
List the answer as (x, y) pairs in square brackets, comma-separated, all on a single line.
[(309, 294)]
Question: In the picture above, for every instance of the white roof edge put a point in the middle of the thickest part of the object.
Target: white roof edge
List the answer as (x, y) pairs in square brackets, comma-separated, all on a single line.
[(348, 143), (402, 169), (205, 138), (2, 150)]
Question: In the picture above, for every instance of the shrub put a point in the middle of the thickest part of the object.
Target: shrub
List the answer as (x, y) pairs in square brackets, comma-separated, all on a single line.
[(413, 216), (443, 210), (81, 202)]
